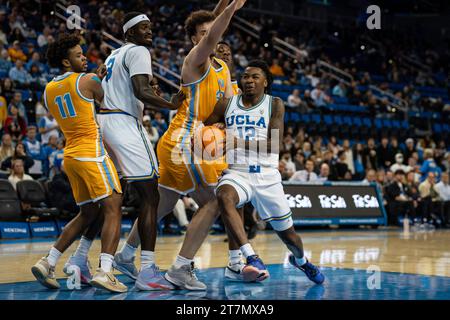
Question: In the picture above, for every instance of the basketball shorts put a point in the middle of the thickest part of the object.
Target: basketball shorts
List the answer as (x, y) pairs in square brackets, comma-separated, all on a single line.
[(91, 181), (264, 191), (129, 146)]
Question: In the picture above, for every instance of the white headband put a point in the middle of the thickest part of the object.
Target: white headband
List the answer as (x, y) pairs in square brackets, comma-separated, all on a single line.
[(131, 23)]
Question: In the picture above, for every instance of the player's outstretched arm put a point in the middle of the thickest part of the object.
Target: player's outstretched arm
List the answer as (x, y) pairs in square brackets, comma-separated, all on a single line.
[(199, 55), (218, 114), (90, 87), (144, 92), (220, 6)]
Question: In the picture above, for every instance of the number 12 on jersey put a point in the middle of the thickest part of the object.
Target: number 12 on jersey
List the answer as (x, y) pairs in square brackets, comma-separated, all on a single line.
[(65, 103)]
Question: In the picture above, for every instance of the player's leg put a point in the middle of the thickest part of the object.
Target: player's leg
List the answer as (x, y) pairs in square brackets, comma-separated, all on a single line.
[(104, 277), (79, 259), (294, 243), (149, 277), (233, 192), (233, 270), (272, 206), (124, 259), (44, 269), (182, 272)]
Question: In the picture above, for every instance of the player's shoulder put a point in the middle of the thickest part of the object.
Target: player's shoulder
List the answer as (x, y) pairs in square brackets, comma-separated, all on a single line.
[(276, 100), (90, 77)]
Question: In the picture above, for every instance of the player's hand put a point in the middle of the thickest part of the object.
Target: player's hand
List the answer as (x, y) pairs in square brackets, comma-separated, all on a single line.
[(101, 71), (238, 4), (219, 125), (178, 98)]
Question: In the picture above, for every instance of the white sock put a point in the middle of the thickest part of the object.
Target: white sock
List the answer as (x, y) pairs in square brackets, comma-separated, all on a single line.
[(147, 259), (301, 261), (83, 249), (235, 256), (247, 250), (128, 251), (182, 261), (53, 256), (106, 261)]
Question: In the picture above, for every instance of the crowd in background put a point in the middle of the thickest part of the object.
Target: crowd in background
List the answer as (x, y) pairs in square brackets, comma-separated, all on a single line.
[(413, 174)]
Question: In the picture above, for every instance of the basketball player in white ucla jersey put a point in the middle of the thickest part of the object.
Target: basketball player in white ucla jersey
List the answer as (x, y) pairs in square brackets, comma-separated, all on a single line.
[(255, 122)]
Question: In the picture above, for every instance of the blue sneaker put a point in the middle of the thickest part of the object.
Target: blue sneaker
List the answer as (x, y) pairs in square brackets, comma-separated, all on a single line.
[(254, 270), (150, 279), (312, 272)]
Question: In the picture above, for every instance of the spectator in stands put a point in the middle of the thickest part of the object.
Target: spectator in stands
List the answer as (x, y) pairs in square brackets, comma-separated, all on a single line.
[(18, 173), (339, 90), (38, 81), (324, 172), (308, 100), (371, 176), (319, 96), (33, 147), (399, 202), (15, 125), (409, 148), (443, 190), (276, 69), (36, 60), (294, 101), (19, 153), (48, 127), (285, 174), (16, 53), (39, 109), (56, 158), (6, 148), (429, 196), (47, 150), (16, 101), (8, 88), (349, 159), (429, 165), (384, 154), (290, 165), (42, 39), (159, 123), (152, 132), (399, 165), (358, 160), (3, 111), (20, 75), (299, 160), (3, 38), (306, 175), (5, 62), (341, 167)]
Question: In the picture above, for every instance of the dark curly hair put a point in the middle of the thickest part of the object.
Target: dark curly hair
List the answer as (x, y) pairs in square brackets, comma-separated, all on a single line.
[(265, 68), (196, 18), (59, 50)]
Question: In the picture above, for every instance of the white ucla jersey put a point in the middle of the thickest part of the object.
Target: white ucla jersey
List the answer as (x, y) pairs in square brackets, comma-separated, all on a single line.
[(122, 64), (250, 124)]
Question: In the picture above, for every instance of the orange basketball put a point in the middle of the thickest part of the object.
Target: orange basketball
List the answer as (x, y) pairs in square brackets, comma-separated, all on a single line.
[(213, 141)]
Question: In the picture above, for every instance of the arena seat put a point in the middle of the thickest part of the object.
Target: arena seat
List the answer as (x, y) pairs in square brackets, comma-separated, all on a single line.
[(9, 202), (31, 192)]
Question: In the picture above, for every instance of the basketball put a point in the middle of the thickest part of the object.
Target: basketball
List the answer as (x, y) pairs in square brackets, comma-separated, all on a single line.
[(213, 141)]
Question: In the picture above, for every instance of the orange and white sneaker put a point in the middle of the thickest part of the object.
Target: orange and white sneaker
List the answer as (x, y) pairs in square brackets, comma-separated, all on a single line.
[(45, 274), (107, 281)]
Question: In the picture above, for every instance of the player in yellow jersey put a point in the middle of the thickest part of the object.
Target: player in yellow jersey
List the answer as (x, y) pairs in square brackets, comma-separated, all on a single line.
[(92, 175), (205, 80), (223, 52)]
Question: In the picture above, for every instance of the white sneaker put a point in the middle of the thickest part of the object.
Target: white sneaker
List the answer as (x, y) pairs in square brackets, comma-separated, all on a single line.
[(233, 272), (127, 267), (184, 277), (85, 269)]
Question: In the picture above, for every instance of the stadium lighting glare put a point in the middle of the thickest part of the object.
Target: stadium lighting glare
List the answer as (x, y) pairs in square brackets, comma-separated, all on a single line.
[(363, 47), (266, 45), (52, 13), (336, 34)]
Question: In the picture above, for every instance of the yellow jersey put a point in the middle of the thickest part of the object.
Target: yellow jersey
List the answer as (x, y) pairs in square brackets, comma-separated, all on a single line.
[(201, 98), (236, 90), (75, 115)]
